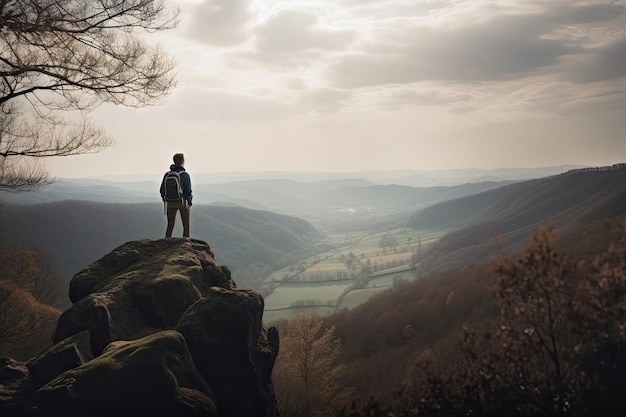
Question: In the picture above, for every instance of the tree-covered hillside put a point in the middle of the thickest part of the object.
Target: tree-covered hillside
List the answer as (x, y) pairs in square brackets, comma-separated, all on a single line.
[(76, 233), (510, 213), (525, 334)]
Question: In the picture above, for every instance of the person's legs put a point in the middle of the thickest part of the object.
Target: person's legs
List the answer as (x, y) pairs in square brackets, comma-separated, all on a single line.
[(184, 216), (171, 219)]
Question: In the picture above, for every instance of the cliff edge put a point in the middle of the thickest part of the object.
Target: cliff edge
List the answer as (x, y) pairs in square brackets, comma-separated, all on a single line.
[(157, 327)]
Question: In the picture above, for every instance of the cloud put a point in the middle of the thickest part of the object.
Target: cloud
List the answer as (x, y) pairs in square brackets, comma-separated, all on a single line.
[(323, 100), (220, 22), (294, 83), (573, 100), (570, 13), (407, 83), (294, 31), (290, 40), (382, 9), (422, 97), (477, 44), (604, 63), (466, 56), (210, 104)]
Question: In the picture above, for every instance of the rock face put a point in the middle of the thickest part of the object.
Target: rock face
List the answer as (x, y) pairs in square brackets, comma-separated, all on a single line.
[(158, 328)]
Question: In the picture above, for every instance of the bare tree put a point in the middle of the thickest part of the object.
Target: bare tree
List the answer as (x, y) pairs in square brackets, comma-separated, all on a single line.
[(308, 377), (34, 272), (59, 59), (26, 326)]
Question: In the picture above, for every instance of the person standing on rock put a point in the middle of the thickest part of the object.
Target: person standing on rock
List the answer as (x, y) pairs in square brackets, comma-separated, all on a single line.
[(176, 195)]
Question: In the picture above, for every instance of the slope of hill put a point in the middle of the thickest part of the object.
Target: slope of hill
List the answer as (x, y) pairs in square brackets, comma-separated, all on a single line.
[(396, 198), (76, 233), (463, 176), (383, 336), (568, 200), (86, 190)]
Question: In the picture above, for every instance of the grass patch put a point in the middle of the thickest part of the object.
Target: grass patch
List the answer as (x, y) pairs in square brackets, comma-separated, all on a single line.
[(323, 278)]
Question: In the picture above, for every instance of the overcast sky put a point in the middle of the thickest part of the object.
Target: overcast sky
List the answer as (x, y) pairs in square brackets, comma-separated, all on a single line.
[(350, 85)]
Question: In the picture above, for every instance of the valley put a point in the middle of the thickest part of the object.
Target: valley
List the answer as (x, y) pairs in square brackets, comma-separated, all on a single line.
[(323, 246), (443, 237), (360, 265)]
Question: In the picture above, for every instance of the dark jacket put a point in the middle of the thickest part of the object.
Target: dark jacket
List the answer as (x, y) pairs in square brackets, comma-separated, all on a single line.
[(185, 180)]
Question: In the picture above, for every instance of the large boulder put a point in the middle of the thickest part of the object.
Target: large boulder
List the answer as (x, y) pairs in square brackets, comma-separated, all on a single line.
[(15, 385), (139, 287), (154, 376), (157, 327), (65, 355), (238, 364)]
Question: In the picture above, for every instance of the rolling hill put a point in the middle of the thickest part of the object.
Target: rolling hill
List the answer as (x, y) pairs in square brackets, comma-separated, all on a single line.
[(569, 201), (75, 233), (588, 209)]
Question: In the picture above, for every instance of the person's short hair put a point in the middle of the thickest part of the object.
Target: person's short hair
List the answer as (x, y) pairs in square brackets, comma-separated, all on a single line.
[(179, 159)]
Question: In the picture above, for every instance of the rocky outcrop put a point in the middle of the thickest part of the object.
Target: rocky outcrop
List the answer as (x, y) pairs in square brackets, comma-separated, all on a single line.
[(233, 363), (157, 327)]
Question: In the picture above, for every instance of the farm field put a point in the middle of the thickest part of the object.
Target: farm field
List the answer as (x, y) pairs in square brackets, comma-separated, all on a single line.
[(360, 266)]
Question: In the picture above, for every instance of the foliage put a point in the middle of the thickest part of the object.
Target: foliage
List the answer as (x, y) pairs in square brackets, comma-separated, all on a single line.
[(64, 55), (558, 347), (374, 348), (388, 241), (26, 323), (308, 378), (33, 272)]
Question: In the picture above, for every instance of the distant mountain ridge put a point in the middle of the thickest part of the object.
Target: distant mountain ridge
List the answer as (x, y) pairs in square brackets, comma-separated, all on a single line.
[(144, 188), (320, 201), (410, 177), (569, 201)]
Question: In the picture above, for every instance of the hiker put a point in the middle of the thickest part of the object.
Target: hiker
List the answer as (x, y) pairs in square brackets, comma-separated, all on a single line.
[(176, 195)]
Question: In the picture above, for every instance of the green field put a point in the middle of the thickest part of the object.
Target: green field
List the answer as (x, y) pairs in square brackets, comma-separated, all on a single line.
[(322, 293), (356, 268)]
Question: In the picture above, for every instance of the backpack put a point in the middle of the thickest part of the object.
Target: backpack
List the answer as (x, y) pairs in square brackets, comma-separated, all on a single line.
[(172, 186)]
